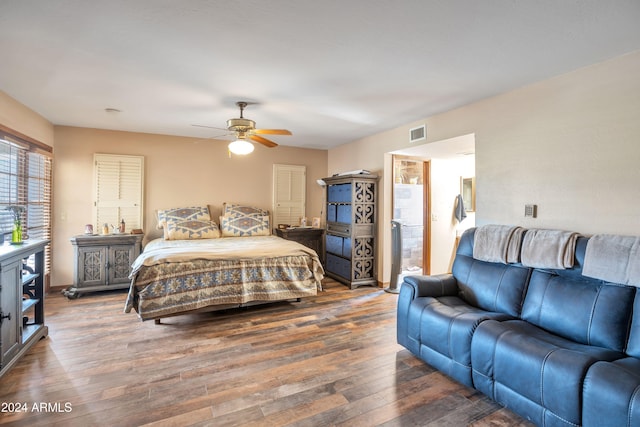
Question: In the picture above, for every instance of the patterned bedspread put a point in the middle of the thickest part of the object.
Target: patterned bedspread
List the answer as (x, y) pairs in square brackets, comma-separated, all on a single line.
[(173, 277)]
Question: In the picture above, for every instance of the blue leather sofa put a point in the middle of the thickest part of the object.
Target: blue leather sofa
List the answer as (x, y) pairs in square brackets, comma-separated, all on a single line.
[(556, 347), (437, 315), (611, 392)]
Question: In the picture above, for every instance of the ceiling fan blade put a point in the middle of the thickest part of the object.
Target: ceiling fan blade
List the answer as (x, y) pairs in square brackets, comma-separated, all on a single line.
[(221, 135), (272, 131), (264, 141), (213, 138), (209, 127)]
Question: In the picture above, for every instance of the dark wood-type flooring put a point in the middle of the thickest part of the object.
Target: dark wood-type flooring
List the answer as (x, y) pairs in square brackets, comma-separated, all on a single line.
[(331, 360)]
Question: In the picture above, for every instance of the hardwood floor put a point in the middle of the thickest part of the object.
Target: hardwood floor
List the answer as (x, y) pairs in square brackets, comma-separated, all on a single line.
[(331, 360)]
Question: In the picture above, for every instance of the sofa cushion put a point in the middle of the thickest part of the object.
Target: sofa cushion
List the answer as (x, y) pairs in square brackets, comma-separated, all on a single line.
[(535, 373), (493, 287), (612, 394), (586, 311), (445, 327), (633, 344)]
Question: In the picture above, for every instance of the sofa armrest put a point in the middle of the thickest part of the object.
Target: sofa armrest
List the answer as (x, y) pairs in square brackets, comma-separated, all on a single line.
[(432, 286), (412, 288)]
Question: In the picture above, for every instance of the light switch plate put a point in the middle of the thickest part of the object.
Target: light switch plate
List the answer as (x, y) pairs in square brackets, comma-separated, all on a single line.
[(531, 211)]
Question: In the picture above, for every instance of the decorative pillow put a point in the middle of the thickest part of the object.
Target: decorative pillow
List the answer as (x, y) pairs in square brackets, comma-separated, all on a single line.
[(231, 209), (243, 226), (197, 213), (190, 230)]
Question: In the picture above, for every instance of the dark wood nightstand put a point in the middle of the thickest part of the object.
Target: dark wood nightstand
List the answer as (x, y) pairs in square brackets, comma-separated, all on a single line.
[(310, 237)]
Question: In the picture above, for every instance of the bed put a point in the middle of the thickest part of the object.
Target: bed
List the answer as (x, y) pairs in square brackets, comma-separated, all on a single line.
[(174, 276)]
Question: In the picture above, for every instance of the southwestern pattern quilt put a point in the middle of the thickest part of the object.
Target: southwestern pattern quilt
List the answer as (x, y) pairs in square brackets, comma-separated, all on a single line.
[(173, 277)]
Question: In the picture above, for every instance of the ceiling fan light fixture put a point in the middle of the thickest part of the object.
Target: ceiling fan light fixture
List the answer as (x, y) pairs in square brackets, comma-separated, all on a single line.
[(241, 147)]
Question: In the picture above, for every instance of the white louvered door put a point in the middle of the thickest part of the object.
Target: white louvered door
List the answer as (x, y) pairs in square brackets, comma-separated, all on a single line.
[(118, 191), (289, 194)]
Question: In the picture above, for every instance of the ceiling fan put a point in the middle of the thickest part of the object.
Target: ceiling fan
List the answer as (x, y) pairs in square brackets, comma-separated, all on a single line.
[(245, 129)]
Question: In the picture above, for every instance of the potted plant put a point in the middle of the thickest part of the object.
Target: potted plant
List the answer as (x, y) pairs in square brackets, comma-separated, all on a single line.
[(16, 233)]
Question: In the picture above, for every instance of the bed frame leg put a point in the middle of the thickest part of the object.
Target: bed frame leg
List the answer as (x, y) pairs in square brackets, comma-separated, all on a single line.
[(157, 321)]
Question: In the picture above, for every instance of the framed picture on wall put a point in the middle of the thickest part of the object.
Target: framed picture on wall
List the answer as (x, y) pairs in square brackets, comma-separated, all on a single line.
[(468, 191)]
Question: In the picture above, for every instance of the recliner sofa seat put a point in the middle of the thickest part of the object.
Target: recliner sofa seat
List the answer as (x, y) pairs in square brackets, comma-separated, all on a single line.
[(554, 346), (438, 315)]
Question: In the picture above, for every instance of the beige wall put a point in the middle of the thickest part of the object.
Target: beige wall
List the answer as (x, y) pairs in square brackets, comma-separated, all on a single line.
[(569, 144), (19, 118), (445, 186), (178, 172)]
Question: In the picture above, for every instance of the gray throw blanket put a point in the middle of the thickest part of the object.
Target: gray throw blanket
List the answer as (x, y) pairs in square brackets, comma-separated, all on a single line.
[(549, 248), (498, 243), (613, 258)]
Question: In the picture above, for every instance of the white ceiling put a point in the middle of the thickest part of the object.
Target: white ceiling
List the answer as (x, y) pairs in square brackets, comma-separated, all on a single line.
[(331, 71)]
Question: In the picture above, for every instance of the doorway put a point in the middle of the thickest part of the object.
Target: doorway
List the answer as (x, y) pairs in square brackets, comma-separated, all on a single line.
[(410, 209), (445, 163)]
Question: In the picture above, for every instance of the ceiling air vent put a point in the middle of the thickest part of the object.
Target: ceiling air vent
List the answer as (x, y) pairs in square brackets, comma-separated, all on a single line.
[(418, 134)]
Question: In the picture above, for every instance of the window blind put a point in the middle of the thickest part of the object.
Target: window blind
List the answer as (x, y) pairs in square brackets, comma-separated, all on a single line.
[(39, 196), (118, 191), (12, 161), (25, 188)]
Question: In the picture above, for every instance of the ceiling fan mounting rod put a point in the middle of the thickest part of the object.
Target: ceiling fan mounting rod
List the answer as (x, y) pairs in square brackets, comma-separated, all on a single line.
[(242, 106)]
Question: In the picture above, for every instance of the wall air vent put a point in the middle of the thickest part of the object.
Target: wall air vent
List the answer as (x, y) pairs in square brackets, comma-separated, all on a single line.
[(418, 134)]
